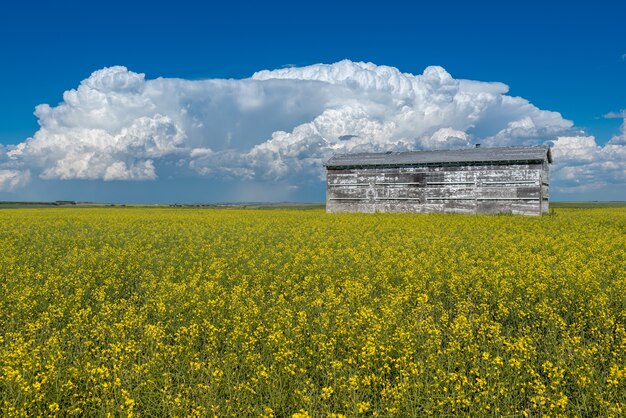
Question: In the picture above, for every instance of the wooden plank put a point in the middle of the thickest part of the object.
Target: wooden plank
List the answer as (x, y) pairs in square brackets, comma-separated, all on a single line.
[(460, 189)]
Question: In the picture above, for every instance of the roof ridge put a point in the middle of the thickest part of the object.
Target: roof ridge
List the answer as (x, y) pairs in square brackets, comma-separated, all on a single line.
[(519, 153)]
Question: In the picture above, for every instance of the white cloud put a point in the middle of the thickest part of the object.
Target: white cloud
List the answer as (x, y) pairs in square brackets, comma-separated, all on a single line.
[(581, 165), (619, 139), (280, 125), (13, 179), (78, 152), (615, 115)]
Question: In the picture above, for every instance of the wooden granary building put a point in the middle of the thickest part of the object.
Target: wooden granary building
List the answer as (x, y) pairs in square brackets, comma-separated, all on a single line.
[(474, 180)]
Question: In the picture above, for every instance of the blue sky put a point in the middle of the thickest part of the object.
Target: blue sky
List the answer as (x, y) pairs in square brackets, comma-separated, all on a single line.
[(566, 57)]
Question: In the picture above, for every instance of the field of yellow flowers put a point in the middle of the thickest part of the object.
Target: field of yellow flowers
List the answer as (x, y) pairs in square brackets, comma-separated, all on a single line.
[(225, 312)]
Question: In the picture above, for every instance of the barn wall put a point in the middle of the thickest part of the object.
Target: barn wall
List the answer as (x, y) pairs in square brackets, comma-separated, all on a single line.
[(514, 188), (545, 188)]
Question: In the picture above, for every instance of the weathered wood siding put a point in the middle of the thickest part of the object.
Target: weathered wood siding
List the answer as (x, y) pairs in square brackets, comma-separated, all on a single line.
[(545, 188), (490, 188)]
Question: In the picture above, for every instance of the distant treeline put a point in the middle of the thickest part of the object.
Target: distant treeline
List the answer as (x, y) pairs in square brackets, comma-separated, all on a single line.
[(55, 203)]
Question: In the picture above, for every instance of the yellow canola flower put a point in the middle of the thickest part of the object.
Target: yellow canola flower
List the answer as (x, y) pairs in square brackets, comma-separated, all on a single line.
[(232, 312)]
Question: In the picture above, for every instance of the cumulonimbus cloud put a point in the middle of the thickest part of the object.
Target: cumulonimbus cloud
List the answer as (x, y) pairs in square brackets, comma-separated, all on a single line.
[(280, 125)]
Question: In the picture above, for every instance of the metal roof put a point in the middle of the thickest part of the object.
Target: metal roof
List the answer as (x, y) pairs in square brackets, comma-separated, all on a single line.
[(465, 155)]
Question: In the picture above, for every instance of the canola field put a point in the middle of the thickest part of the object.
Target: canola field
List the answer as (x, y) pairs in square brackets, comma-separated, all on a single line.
[(296, 313)]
